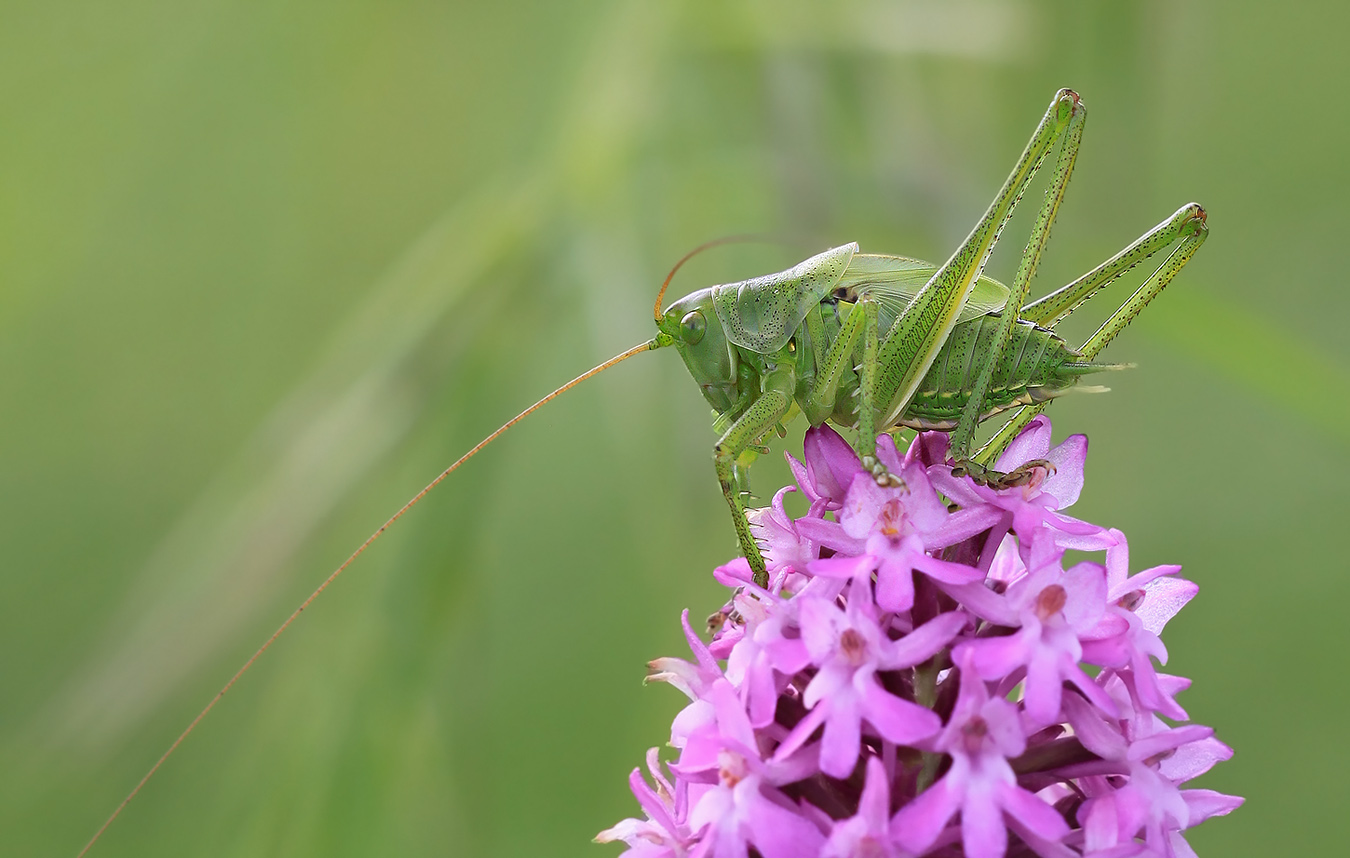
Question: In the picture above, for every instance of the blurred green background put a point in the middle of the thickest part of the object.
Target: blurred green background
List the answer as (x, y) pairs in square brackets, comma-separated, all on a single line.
[(265, 268)]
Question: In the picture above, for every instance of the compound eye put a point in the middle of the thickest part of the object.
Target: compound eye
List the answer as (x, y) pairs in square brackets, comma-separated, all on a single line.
[(692, 327)]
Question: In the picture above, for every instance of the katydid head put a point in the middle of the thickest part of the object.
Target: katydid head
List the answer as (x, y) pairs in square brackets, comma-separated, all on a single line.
[(759, 315), (698, 336), (692, 326)]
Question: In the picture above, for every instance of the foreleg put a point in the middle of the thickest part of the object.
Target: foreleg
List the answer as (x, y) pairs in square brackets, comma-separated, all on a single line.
[(758, 419)]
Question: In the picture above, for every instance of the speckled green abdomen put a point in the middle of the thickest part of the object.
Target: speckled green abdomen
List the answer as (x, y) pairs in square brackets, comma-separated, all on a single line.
[(1037, 366)]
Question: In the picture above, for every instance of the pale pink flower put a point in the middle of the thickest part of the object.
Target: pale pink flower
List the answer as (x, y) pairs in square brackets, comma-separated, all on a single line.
[(980, 737)]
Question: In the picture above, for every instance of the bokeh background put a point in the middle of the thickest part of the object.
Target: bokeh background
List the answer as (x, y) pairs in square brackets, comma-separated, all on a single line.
[(265, 268)]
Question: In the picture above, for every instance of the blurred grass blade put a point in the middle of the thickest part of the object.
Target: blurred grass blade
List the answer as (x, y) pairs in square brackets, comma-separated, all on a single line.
[(214, 572), (1258, 353), (215, 569)]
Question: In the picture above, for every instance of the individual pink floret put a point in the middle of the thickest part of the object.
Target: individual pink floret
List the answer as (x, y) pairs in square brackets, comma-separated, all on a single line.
[(849, 647), (1052, 610), (982, 734), (868, 832)]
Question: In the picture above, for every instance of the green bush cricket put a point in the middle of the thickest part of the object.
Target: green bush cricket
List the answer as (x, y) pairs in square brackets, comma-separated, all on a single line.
[(853, 339), (874, 342)]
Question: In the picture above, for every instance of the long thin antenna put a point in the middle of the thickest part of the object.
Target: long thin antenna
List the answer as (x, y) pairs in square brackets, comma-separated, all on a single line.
[(707, 245), (638, 349)]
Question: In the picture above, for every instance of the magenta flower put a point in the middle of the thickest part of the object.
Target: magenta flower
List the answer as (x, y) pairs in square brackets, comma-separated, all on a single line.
[(912, 682), (981, 735), (1052, 610), (782, 545), (830, 466), (849, 647), (664, 833), (739, 805), (1150, 805), (882, 531), (1145, 601), (868, 832)]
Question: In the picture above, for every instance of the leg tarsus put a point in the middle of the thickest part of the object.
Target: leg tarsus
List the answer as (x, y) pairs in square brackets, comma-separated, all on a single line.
[(1033, 472), (883, 475)]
